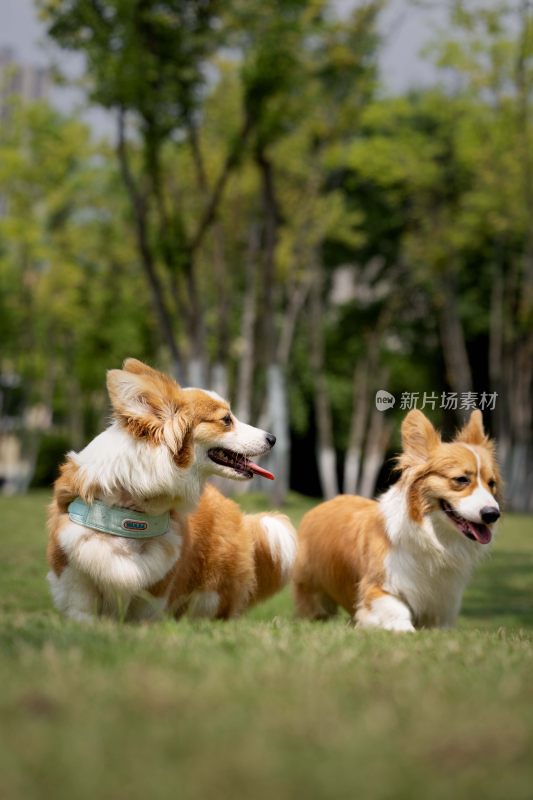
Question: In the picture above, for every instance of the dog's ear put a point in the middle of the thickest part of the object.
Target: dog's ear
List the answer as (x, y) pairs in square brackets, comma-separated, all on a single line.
[(127, 391), (419, 438), (473, 432), (138, 367), (149, 404)]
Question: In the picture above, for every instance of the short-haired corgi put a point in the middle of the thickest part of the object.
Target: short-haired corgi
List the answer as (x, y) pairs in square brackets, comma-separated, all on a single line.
[(403, 562)]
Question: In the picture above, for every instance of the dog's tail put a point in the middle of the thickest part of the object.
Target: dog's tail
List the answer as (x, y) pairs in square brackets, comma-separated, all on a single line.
[(274, 541)]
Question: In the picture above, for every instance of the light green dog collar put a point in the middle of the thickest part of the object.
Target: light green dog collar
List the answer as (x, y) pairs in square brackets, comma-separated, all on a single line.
[(118, 521)]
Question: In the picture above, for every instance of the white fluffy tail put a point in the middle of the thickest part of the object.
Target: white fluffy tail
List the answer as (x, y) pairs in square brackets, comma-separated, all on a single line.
[(274, 552)]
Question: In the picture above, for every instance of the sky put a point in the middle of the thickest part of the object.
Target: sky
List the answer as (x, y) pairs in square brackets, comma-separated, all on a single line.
[(405, 31)]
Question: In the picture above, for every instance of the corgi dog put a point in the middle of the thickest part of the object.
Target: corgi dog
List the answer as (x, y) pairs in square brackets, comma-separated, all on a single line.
[(402, 562), (123, 539)]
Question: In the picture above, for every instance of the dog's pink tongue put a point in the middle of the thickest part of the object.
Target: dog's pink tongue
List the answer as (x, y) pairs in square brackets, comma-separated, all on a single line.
[(481, 532), (255, 468)]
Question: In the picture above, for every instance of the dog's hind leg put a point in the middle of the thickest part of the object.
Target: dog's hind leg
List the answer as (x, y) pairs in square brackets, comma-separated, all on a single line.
[(312, 603), (204, 605)]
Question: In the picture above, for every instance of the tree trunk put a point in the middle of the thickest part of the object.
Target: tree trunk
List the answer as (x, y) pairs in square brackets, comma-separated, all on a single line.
[(224, 293), (147, 259), (271, 219), (519, 466), (326, 457), (75, 414), (377, 442), (196, 336), (219, 379), (499, 372), (458, 372), (296, 300), (364, 384), (277, 404), (358, 426), (245, 374), (213, 204), (277, 412), (519, 472)]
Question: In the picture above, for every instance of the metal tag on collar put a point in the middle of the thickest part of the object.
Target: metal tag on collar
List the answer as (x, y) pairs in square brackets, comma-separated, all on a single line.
[(134, 525)]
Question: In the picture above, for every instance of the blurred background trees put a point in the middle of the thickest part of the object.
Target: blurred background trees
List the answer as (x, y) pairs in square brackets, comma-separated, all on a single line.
[(269, 223)]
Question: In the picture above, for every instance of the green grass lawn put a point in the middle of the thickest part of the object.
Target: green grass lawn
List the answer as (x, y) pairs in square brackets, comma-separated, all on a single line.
[(264, 707)]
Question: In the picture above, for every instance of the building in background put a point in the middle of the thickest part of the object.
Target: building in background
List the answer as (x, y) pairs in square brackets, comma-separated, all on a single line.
[(25, 81)]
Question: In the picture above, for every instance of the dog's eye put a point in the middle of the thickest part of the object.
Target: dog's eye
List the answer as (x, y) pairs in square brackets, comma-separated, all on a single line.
[(227, 420), (492, 484), (461, 480)]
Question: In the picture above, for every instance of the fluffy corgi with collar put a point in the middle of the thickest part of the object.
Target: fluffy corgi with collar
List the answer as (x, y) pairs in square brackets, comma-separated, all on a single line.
[(122, 532), (403, 562)]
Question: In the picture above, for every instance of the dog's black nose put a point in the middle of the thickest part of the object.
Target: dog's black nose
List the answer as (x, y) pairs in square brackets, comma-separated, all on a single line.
[(489, 514), (271, 439)]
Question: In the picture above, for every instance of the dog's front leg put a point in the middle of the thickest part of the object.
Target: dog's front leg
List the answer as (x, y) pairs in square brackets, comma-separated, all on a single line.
[(75, 594), (380, 609)]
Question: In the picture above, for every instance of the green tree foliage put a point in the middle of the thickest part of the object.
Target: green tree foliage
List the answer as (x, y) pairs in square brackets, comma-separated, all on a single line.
[(287, 217), (70, 299)]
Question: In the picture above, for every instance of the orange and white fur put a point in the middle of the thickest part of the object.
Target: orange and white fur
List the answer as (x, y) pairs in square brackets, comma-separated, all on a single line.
[(230, 560), (156, 456), (402, 562)]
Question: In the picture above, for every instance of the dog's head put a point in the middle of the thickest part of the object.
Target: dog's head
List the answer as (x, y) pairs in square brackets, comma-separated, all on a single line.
[(197, 427), (457, 481)]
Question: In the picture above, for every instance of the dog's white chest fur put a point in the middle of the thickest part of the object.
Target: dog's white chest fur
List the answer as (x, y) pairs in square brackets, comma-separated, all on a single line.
[(128, 565), (106, 572), (428, 565), (432, 592)]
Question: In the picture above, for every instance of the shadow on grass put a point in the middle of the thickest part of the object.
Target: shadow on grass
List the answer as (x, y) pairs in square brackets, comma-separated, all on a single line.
[(502, 592)]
